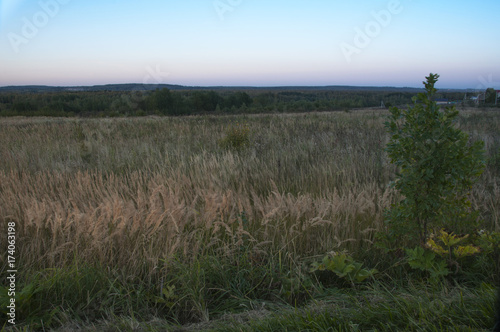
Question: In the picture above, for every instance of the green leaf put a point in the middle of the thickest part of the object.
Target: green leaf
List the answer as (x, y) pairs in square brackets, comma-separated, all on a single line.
[(344, 267)]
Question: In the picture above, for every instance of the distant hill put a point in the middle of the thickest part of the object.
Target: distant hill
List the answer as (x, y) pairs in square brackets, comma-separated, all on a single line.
[(150, 87), (107, 87)]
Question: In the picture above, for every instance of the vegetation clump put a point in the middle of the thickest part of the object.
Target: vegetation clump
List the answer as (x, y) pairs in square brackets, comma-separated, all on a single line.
[(237, 137), (344, 267)]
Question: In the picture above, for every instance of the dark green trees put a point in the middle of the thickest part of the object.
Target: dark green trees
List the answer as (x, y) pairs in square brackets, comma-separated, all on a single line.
[(490, 96)]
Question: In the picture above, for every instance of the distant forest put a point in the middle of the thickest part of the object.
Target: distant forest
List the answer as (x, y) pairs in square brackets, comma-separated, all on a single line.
[(164, 101)]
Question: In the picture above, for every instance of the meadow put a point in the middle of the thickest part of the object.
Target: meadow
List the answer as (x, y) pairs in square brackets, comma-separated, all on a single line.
[(157, 223)]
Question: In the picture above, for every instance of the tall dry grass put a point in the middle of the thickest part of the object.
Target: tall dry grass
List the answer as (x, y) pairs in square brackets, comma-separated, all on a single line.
[(132, 193)]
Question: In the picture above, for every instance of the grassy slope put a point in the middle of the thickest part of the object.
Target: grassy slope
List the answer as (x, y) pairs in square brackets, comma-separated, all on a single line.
[(153, 203)]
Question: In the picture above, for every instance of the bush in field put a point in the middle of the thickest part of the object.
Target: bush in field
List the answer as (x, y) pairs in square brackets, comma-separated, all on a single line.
[(237, 137), (437, 167)]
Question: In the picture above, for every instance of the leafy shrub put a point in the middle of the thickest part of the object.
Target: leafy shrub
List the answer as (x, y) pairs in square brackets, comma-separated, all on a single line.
[(446, 252), (428, 261), (449, 245), (437, 167), (237, 137), (344, 267)]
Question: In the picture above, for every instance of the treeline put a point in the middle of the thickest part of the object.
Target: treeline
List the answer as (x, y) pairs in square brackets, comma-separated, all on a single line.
[(186, 102)]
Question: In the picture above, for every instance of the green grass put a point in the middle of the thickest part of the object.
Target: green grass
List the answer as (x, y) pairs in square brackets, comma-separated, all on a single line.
[(414, 307)]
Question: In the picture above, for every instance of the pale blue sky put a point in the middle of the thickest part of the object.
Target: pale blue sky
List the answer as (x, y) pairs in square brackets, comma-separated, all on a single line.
[(250, 42)]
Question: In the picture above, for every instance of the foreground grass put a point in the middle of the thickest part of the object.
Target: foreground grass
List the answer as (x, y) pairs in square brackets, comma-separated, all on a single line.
[(374, 308), (216, 294), (152, 224), (381, 309)]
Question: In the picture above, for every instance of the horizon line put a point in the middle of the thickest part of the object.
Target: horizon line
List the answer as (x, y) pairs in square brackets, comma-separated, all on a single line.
[(228, 86)]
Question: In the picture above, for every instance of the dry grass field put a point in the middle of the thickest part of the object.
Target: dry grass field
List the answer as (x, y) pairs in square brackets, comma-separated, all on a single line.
[(134, 195)]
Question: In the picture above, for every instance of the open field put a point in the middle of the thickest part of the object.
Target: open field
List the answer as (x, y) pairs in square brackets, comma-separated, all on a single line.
[(153, 217)]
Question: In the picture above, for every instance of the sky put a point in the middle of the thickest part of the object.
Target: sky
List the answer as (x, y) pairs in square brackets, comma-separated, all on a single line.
[(250, 42)]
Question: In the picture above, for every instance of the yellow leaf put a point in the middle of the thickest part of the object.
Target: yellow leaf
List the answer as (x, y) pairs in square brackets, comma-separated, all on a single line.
[(462, 251), (435, 247)]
